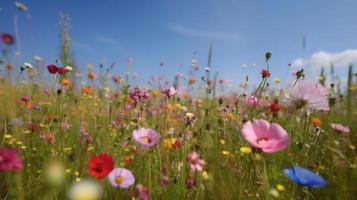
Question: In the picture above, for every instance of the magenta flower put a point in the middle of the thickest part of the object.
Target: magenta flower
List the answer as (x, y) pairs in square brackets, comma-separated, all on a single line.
[(309, 95), (141, 192), (269, 137), (9, 160), (120, 177), (169, 92), (196, 163), (341, 128), (146, 137), (253, 101), (138, 95)]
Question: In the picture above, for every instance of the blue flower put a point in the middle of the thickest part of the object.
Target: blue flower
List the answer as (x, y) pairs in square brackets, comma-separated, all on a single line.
[(304, 177)]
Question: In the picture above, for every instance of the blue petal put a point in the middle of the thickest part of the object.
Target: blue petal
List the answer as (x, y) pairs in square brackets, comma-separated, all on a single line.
[(291, 175), (305, 177)]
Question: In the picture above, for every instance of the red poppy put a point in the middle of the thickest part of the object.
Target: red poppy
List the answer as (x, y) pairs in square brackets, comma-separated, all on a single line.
[(62, 70), (274, 107), (52, 69), (101, 165), (7, 39), (265, 73)]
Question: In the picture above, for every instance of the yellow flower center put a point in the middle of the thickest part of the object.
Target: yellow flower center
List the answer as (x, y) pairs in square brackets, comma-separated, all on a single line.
[(119, 180), (145, 139)]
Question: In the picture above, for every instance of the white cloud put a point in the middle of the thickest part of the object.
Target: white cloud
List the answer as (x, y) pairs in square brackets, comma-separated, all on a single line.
[(182, 30), (325, 59)]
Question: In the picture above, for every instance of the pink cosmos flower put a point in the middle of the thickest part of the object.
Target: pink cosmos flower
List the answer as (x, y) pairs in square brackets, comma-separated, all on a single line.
[(309, 95), (196, 163), (9, 160), (340, 128), (253, 101), (121, 177), (269, 137), (141, 192), (146, 137)]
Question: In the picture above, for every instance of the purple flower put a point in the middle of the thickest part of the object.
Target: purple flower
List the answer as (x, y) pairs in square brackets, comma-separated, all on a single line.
[(9, 160), (120, 177), (146, 137)]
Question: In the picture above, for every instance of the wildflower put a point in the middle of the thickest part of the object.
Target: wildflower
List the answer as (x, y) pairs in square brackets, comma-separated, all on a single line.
[(304, 177), (9, 160), (141, 192), (316, 122), (137, 95), (127, 160), (121, 177), (25, 99), (66, 82), (92, 75), (169, 92), (20, 6), (50, 138), (65, 125), (7, 39), (341, 128), (196, 163), (192, 80), (309, 95), (265, 73), (87, 90), (280, 187), (245, 150), (68, 68), (53, 69), (253, 101), (146, 137), (62, 70), (269, 137), (274, 107), (85, 190), (205, 175), (85, 137), (100, 165)]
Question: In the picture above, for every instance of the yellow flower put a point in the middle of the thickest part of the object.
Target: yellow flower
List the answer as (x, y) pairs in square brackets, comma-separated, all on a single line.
[(280, 187), (205, 175), (189, 115), (222, 141), (226, 153), (245, 150), (352, 147), (7, 136), (167, 143)]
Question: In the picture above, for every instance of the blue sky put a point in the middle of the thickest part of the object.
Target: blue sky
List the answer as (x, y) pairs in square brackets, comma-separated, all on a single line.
[(151, 31)]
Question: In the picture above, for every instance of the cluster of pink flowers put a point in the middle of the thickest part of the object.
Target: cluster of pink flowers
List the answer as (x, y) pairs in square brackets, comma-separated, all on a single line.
[(9, 160), (138, 95)]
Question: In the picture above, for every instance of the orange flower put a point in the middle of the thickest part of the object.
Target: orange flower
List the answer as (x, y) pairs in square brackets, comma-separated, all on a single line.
[(192, 80), (92, 75), (87, 90), (316, 121), (66, 82)]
